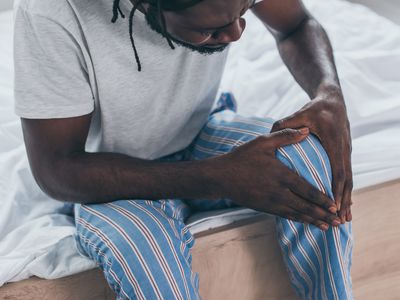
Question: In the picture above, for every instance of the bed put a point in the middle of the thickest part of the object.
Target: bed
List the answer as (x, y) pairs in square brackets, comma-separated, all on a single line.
[(36, 232)]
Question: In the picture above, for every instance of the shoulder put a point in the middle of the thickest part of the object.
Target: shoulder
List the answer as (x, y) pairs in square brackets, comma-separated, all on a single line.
[(70, 14), (47, 16), (52, 9)]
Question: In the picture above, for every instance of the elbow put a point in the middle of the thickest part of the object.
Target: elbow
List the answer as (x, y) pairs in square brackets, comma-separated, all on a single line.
[(55, 180)]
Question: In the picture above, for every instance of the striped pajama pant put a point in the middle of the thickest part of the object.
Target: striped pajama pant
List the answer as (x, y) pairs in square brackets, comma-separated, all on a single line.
[(144, 247)]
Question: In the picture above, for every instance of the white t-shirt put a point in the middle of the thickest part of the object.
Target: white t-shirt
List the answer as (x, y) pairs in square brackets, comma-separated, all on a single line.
[(70, 60)]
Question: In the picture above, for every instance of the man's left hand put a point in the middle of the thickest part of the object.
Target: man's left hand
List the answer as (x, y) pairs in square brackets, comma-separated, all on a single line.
[(326, 117)]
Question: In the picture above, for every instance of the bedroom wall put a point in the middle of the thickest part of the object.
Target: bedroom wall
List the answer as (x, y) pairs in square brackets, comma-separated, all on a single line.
[(5, 4)]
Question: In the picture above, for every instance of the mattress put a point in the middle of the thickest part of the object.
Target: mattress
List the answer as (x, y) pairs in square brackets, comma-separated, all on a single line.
[(36, 232)]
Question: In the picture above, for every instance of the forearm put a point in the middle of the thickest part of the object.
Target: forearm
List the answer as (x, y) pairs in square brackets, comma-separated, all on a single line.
[(105, 177), (307, 52)]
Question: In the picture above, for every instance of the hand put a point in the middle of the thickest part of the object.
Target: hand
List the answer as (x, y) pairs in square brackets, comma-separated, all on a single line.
[(326, 117), (252, 176)]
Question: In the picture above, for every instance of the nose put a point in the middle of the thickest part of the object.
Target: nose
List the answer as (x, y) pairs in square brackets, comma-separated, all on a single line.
[(233, 32)]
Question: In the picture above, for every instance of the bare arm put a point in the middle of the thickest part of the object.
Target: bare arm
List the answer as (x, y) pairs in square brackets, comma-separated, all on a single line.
[(302, 43), (306, 50), (65, 171)]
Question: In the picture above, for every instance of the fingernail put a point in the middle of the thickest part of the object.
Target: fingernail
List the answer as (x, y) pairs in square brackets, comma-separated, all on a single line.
[(323, 227), (350, 217), (304, 131), (336, 222), (333, 209)]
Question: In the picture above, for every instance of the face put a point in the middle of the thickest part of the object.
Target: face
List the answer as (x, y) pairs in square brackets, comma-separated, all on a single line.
[(206, 27)]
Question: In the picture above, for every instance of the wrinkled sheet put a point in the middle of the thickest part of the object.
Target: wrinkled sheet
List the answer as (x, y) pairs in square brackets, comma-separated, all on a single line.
[(36, 232), (367, 53)]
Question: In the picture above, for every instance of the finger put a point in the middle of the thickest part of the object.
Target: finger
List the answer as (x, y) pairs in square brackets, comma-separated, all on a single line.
[(312, 211), (321, 225), (348, 185), (336, 159), (293, 215), (301, 187), (338, 181), (295, 120), (284, 137), (304, 189), (346, 201), (349, 215)]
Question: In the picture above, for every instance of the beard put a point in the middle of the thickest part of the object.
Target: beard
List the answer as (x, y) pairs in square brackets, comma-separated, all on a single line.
[(155, 26)]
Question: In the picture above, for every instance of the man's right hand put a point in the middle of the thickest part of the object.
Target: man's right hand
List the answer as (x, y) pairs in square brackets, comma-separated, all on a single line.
[(253, 177)]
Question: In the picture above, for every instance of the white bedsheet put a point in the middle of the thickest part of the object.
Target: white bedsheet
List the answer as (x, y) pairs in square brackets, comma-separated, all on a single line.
[(36, 234)]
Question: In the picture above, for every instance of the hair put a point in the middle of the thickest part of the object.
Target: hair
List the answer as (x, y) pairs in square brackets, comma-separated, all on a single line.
[(160, 5)]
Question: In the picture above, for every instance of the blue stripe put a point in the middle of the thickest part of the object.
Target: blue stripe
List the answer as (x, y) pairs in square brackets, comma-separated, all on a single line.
[(325, 257)]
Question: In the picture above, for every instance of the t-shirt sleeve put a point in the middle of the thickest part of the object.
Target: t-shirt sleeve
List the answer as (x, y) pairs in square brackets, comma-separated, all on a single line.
[(51, 78)]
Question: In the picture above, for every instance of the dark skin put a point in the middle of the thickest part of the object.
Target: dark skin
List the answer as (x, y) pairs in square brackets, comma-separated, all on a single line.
[(325, 115), (65, 171)]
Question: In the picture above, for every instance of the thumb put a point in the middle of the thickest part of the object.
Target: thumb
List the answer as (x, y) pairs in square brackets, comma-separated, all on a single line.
[(293, 121), (286, 137)]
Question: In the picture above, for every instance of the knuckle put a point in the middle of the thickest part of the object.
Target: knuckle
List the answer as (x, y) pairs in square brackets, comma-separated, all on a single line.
[(288, 133), (285, 131), (348, 204), (307, 209), (340, 175), (350, 184), (278, 124), (313, 195)]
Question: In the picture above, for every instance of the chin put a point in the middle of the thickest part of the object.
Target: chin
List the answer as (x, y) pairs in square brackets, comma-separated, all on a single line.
[(210, 49), (215, 46)]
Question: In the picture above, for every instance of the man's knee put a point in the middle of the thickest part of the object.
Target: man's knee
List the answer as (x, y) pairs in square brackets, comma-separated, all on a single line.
[(310, 160)]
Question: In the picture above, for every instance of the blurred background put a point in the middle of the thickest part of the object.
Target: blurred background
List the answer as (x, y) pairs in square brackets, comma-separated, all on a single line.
[(5, 4), (387, 8)]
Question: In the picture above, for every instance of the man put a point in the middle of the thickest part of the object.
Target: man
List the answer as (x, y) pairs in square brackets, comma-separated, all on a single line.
[(103, 130)]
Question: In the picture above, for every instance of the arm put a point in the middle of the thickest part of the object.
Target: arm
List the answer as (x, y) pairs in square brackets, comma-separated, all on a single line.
[(306, 50), (65, 171), (302, 43)]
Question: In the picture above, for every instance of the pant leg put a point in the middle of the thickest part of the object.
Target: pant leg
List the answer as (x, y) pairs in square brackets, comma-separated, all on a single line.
[(318, 262), (143, 247)]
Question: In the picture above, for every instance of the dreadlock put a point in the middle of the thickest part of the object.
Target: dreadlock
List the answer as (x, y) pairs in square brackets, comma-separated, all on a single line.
[(168, 5)]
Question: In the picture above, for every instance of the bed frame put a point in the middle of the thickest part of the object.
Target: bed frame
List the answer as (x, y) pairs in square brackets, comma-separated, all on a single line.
[(242, 260)]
